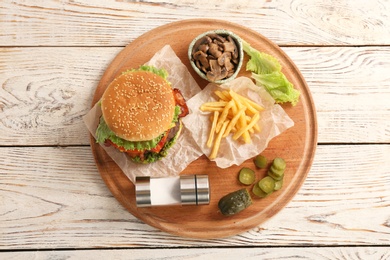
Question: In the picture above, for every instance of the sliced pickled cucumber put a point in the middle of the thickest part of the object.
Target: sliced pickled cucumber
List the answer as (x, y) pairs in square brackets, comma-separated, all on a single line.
[(276, 171), (278, 184), (234, 202), (259, 192), (267, 184), (274, 176), (260, 161), (246, 176), (279, 163)]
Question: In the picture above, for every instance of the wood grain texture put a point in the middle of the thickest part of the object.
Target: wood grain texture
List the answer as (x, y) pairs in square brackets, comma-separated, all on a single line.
[(351, 90), (113, 23), (54, 198), (46, 91), (358, 253), (40, 96), (186, 221)]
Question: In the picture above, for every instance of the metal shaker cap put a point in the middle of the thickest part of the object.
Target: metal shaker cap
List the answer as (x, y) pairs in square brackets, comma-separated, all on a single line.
[(142, 192), (203, 189), (194, 189)]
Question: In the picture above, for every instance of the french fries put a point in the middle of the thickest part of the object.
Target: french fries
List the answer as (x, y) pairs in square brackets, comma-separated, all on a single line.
[(232, 113), (212, 132)]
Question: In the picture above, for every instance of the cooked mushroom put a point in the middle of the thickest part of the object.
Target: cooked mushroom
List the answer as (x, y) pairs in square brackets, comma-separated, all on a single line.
[(235, 49), (204, 40), (213, 50), (225, 56), (211, 76), (214, 66), (214, 76), (216, 55), (224, 73), (202, 57), (230, 73), (216, 71), (228, 65), (204, 47), (217, 37)]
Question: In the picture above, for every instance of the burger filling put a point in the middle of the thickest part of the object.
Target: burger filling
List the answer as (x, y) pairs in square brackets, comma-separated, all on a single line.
[(151, 150), (142, 151)]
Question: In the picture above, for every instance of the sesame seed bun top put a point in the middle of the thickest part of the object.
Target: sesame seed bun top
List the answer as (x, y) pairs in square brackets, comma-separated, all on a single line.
[(138, 106)]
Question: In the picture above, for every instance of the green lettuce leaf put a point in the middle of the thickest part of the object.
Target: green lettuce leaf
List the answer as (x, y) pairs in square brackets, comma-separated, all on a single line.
[(260, 62), (103, 132), (161, 72), (266, 70), (152, 157), (278, 86), (176, 115)]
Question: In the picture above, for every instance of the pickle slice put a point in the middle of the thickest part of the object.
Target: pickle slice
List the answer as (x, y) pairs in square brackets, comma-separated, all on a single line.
[(267, 184), (274, 176), (259, 192), (279, 163), (276, 171), (260, 161), (246, 176), (278, 184)]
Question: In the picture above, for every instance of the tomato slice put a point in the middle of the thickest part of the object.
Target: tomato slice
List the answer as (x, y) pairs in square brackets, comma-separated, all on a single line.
[(160, 144), (132, 153), (180, 101), (140, 153)]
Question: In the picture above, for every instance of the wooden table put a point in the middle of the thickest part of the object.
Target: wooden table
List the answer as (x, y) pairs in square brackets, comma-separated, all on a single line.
[(53, 203)]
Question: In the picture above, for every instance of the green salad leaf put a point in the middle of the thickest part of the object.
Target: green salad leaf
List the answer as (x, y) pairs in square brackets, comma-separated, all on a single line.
[(260, 62), (267, 72), (103, 132), (161, 72), (278, 86), (152, 157)]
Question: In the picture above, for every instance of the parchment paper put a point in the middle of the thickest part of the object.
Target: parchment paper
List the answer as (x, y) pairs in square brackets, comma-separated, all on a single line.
[(184, 151), (273, 121), (191, 144)]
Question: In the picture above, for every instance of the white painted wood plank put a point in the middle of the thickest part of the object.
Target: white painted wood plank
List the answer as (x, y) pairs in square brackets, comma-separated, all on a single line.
[(351, 91), (46, 91), (41, 97), (210, 253), (55, 198), (113, 23)]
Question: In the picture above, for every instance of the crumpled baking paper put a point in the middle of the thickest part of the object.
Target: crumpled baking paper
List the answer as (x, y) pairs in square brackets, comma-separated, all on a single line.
[(191, 143), (273, 121), (184, 151)]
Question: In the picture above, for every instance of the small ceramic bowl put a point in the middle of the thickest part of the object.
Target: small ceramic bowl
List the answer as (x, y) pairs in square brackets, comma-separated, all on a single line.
[(199, 40)]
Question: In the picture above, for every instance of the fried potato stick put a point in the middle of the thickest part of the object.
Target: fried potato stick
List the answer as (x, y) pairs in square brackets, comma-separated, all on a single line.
[(217, 143), (213, 106), (222, 95), (247, 102), (242, 123), (223, 116), (232, 113), (233, 122), (212, 131), (241, 131)]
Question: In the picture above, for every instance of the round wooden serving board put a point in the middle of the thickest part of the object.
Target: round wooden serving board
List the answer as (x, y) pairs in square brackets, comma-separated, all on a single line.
[(296, 145)]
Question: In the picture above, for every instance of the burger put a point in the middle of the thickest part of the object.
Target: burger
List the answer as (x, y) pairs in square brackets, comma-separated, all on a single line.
[(141, 114)]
